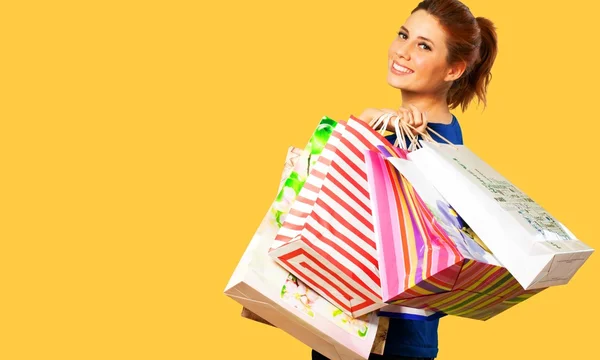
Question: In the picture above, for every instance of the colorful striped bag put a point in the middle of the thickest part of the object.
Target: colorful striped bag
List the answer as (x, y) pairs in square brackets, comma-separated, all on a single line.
[(428, 257)]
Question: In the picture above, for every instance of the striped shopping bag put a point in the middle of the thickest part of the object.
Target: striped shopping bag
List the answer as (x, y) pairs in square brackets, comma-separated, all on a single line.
[(428, 257), (328, 239)]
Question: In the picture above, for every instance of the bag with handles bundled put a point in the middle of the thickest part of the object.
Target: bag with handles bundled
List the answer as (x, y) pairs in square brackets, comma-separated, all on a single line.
[(429, 257)]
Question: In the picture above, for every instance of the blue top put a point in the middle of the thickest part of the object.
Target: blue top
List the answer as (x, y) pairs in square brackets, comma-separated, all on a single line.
[(417, 338)]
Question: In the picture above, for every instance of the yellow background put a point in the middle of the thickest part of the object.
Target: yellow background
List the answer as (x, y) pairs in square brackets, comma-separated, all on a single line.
[(142, 141)]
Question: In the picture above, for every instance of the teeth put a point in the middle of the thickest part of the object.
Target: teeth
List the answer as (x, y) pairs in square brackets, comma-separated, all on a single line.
[(401, 68)]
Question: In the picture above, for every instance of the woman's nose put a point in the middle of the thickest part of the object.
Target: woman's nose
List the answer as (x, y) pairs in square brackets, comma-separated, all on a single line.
[(402, 50)]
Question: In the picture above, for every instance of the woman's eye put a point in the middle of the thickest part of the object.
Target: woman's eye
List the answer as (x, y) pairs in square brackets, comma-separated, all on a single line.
[(402, 35), (426, 47)]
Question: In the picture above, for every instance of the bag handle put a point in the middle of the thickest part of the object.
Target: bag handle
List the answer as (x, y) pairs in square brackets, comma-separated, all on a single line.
[(381, 124), (406, 132), (383, 121), (427, 137), (402, 129)]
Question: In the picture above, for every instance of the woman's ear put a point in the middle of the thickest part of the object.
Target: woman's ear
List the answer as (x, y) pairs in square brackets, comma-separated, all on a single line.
[(456, 71)]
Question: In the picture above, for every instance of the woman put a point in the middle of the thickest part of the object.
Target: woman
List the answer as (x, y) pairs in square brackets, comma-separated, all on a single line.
[(441, 58)]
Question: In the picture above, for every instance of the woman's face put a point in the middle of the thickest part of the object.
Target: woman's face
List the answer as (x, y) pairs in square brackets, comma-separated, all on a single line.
[(417, 57)]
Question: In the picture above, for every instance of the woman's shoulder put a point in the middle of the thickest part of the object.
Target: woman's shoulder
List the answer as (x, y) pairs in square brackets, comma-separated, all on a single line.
[(451, 131), (452, 124)]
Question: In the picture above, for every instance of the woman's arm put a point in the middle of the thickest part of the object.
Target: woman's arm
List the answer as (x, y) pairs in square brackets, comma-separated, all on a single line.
[(370, 114)]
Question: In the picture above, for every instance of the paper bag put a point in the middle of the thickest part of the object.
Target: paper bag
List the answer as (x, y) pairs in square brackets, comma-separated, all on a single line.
[(535, 247), (278, 297), (327, 240)]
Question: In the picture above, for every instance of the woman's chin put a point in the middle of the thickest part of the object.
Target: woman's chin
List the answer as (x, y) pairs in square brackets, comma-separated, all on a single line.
[(396, 84)]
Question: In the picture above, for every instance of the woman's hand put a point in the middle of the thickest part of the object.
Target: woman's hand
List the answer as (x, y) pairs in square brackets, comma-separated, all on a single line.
[(410, 115), (414, 117)]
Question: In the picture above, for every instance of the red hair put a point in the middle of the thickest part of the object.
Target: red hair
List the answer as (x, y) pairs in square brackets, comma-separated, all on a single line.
[(469, 39)]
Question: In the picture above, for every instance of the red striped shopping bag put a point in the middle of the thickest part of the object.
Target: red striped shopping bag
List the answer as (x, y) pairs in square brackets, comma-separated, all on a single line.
[(327, 239)]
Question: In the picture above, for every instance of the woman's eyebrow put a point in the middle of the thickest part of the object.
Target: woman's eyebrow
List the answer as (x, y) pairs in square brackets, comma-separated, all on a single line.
[(420, 37)]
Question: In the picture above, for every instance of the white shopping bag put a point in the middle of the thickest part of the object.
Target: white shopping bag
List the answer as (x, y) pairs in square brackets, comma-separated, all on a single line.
[(537, 249), (278, 297)]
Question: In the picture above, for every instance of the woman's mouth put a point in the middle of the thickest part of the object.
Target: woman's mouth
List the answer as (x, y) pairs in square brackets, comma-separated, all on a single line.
[(400, 70)]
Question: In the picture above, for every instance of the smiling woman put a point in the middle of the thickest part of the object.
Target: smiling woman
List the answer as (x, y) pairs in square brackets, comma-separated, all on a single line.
[(439, 43), (441, 59)]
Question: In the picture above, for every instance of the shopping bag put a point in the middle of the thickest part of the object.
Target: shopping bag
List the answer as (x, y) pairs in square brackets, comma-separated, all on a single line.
[(534, 246), (246, 313), (327, 240), (272, 293), (409, 313), (429, 257), (291, 161)]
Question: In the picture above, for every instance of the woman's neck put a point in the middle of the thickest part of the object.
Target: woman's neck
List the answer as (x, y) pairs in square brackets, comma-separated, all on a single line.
[(435, 106)]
